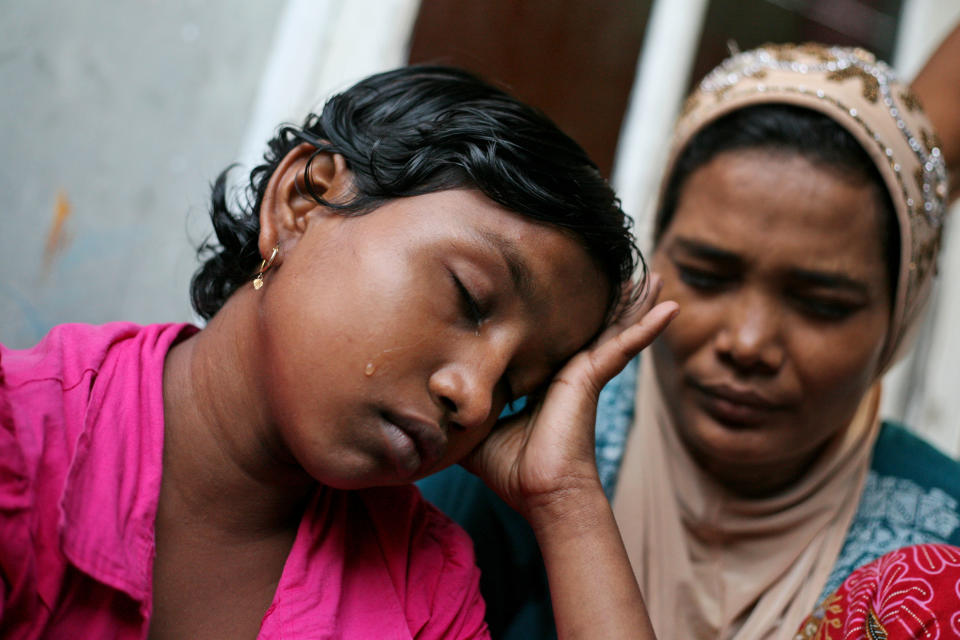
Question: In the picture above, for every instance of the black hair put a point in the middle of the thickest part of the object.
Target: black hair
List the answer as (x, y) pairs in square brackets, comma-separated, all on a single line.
[(419, 130), (783, 128)]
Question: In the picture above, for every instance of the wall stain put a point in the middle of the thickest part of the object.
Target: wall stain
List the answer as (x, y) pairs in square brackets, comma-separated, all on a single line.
[(58, 238)]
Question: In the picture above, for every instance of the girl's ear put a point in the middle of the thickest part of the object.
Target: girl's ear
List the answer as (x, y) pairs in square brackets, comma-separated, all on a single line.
[(287, 206)]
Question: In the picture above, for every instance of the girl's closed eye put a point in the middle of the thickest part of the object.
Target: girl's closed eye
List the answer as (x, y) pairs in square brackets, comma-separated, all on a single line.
[(469, 305)]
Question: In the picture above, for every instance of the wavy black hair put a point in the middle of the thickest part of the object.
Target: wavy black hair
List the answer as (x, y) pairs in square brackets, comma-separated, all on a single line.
[(419, 130), (787, 129)]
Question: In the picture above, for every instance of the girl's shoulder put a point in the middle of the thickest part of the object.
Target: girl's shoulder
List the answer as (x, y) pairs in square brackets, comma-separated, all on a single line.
[(71, 412), (47, 391), (66, 353), (70, 352)]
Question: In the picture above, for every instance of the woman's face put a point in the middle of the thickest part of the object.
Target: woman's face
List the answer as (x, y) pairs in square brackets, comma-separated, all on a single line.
[(393, 340), (779, 272)]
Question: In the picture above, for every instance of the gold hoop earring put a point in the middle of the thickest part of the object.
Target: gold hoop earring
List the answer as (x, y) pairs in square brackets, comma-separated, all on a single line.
[(265, 266)]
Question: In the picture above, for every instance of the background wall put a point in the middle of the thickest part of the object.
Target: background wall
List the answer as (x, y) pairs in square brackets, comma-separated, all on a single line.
[(114, 118)]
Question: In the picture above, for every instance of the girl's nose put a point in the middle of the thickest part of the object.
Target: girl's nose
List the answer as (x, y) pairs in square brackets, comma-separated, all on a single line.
[(465, 387)]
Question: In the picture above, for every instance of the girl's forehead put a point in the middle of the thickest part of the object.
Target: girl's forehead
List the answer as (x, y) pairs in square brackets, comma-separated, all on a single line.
[(535, 254)]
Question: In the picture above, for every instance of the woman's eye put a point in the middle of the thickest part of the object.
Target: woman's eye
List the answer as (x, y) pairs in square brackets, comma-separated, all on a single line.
[(469, 305), (702, 279), (824, 309)]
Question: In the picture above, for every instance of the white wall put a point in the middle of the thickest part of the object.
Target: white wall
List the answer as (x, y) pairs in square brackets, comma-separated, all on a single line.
[(924, 390), (306, 65), (128, 109)]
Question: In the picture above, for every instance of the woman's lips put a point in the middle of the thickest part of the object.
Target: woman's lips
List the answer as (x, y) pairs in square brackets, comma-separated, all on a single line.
[(414, 443), (735, 405)]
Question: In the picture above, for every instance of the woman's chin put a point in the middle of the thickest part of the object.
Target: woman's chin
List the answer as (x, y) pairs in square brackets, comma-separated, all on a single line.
[(748, 461)]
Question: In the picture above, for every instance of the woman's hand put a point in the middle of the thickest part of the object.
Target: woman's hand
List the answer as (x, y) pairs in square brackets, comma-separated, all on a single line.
[(537, 460)]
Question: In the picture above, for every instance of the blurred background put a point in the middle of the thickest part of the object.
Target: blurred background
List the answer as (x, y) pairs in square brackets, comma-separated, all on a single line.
[(116, 116)]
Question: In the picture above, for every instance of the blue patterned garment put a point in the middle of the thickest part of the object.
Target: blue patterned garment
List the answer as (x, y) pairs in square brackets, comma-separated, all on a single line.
[(614, 418), (911, 496)]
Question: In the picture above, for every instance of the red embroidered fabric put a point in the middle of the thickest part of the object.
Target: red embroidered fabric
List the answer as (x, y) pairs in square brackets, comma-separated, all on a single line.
[(913, 592)]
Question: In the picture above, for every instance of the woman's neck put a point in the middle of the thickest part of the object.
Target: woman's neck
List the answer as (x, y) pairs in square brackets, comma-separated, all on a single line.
[(758, 481)]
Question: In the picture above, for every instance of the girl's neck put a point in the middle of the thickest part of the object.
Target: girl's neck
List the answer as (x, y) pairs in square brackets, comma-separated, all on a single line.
[(224, 464)]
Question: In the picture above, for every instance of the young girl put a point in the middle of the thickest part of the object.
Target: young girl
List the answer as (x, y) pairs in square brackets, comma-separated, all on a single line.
[(420, 254)]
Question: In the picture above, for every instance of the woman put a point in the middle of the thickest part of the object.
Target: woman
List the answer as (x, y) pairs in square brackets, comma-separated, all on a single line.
[(798, 228), (387, 289), (799, 221)]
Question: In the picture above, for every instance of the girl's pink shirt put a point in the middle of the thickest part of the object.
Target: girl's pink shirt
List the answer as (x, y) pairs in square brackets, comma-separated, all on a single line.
[(81, 442)]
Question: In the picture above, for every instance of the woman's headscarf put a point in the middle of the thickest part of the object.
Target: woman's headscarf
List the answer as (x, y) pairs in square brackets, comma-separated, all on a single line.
[(713, 564)]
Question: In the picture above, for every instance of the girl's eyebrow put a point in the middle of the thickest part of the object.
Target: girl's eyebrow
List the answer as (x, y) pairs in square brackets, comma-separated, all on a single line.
[(520, 273)]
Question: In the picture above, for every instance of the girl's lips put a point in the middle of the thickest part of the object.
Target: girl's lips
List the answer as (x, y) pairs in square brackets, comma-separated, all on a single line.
[(402, 450), (414, 443)]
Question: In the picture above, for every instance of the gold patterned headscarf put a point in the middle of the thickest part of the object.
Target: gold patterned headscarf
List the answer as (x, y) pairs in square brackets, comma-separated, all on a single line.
[(716, 565), (863, 95)]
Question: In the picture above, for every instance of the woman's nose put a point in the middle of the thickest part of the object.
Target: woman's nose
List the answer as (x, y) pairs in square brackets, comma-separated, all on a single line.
[(750, 338)]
